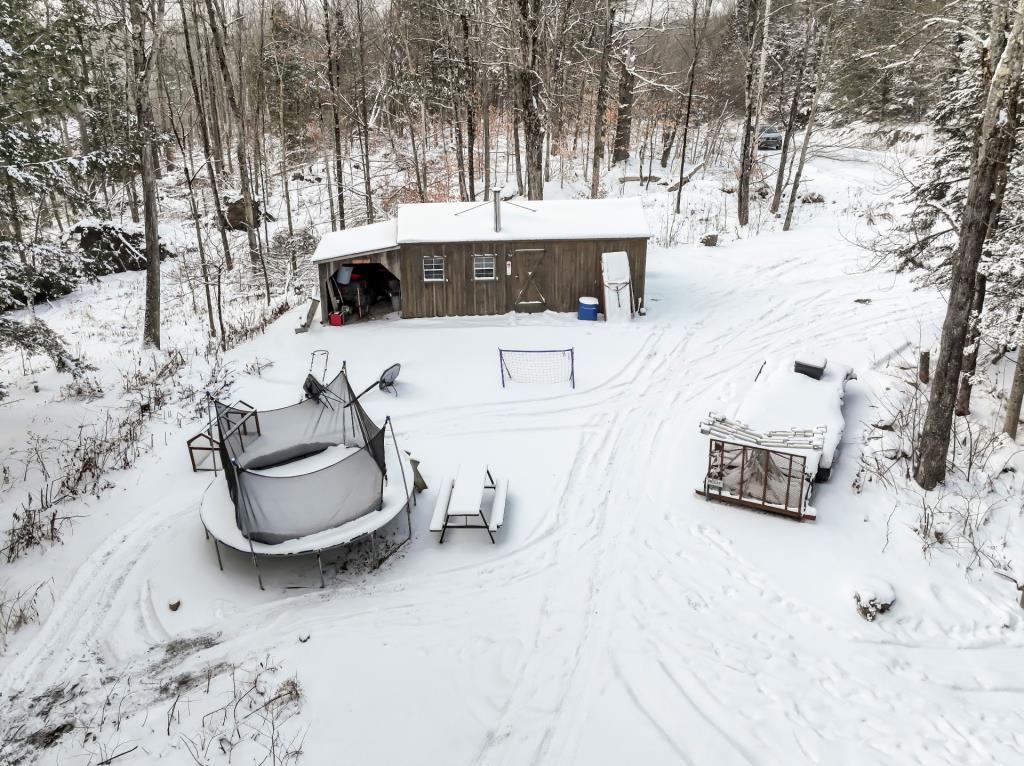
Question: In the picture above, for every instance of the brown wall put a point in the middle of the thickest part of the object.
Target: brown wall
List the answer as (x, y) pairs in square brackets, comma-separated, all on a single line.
[(569, 270)]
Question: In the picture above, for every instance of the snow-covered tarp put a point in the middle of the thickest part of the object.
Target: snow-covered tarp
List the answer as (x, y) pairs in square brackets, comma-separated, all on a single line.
[(784, 399)]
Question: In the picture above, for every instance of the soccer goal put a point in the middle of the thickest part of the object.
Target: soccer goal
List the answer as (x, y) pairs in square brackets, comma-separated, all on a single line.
[(537, 366)]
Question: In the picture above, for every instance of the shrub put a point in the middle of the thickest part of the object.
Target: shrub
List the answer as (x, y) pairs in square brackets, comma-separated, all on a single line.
[(32, 274)]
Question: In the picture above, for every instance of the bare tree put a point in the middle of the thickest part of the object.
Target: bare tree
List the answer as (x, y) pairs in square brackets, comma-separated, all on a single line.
[(600, 100), (146, 30), (700, 13), (820, 67)]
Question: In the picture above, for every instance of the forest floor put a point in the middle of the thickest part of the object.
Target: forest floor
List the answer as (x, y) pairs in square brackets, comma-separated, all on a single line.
[(618, 618)]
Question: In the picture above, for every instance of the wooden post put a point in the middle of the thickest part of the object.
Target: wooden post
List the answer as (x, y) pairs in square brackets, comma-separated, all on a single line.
[(924, 367)]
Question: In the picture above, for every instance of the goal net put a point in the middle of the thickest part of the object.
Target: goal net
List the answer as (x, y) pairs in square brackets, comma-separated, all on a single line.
[(537, 366)]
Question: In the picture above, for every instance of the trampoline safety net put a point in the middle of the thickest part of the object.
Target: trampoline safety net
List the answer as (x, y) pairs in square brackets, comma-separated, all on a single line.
[(280, 493)]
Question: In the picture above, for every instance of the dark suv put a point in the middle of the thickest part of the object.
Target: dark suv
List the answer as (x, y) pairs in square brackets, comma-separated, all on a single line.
[(769, 137)]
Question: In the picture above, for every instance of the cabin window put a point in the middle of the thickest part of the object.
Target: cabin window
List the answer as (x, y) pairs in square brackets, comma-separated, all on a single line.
[(433, 268), (483, 267)]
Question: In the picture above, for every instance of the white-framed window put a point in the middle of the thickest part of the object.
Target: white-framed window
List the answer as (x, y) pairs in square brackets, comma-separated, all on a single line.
[(484, 267), (433, 268)]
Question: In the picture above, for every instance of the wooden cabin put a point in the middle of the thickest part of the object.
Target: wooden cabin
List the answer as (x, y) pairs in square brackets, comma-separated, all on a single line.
[(470, 258)]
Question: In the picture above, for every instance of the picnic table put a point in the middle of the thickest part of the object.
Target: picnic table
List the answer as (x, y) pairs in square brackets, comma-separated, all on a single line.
[(462, 499)]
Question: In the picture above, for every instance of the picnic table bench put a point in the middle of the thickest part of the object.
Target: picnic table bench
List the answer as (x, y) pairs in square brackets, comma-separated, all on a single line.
[(463, 499)]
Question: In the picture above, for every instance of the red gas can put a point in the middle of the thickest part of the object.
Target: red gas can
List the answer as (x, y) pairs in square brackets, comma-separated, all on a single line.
[(335, 319)]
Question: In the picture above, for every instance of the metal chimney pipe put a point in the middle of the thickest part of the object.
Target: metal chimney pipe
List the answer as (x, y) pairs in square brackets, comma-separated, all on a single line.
[(496, 193)]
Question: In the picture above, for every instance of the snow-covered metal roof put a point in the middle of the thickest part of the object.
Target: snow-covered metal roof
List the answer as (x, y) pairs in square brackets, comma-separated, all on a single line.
[(521, 220), (359, 240)]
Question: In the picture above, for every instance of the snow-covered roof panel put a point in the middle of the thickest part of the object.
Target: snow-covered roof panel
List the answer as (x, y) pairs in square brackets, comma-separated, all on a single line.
[(359, 240), (523, 220)]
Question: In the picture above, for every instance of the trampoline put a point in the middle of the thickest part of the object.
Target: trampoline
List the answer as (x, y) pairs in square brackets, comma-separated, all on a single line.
[(306, 478)]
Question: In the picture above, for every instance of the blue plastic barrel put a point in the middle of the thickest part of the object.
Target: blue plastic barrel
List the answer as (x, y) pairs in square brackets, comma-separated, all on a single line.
[(587, 309)]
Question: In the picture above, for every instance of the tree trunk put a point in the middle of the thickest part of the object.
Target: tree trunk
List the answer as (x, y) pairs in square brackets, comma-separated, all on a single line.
[(624, 119), (209, 161), (216, 138), (994, 147), (485, 115), (470, 111), (190, 174), (970, 362), (284, 160), (421, 186), (143, 68), (333, 75), (1013, 404), (133, 198), (12, 202), (668, 139), (794, 111), (531, 94), (460, 155), (520, 186), (218, 30), (364, 117), (748, 143), (599, 104), (686, 128), (808, 129)]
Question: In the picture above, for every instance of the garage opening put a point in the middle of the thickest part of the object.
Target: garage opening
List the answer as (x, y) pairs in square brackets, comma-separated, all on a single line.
[(365, 291)]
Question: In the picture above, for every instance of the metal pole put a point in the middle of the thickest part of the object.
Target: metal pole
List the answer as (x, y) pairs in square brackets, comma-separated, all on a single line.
[(259, 577), (398, 452), (211, 410), (408, 519), (320, 564)]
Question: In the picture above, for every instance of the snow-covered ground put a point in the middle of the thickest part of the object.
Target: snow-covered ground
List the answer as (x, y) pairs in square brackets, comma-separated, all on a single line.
[(619, 618)]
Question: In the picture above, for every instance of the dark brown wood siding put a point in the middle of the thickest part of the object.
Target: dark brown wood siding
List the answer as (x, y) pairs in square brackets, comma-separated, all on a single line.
[(571, 269)]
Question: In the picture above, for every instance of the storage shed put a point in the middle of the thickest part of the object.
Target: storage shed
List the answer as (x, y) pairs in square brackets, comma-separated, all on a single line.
[(470, 258)]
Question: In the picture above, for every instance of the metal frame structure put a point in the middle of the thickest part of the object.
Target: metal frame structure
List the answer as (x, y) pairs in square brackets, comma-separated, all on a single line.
[(773, 448), (213, 442), (756, 499)]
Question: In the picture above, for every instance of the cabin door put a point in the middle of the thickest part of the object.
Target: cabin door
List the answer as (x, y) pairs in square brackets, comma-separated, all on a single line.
[(527, 286)]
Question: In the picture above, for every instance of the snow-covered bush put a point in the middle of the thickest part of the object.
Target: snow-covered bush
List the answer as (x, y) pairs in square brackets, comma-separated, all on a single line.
[(873, 597), (31, 274), (36, 337)]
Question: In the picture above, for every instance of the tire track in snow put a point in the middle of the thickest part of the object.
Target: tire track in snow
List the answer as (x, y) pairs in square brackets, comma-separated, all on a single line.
[(552, 736), (84, 609)]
